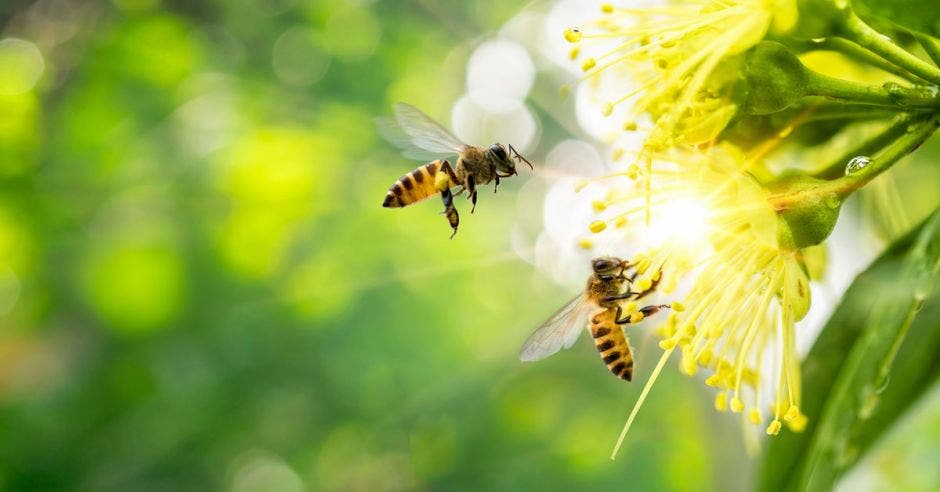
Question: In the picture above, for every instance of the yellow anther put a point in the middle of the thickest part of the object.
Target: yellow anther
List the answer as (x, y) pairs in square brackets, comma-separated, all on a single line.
[(574, 52), (644, 284), (677, 306), (608, 108), (705, 357), (792, 413), (667, 344), (598, 205), (607, 8), (754, 416), (721, 401), (636, 317), (620, 221), (573, 35), (633, 171), (618, 153), (688, 365), (774, 428), (631, 307), (713, 380), (798, 424), (736, 404), (597, 226), (629, 126), (585, 243), (643, 265), (588, 64)]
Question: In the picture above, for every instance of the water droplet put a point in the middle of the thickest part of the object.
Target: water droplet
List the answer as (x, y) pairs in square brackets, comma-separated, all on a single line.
[(832, 201), (856, 164), (819, 40)]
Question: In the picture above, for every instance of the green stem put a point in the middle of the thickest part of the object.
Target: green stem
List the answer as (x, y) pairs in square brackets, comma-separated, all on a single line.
[(890, 94), (849, 111), (844, 186), (857, 31), (857, 53), (901, 147), (868, 147), (931, 45)]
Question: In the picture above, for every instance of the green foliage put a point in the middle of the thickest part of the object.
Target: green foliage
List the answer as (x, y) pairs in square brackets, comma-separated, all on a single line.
[(912, 14), (873, 359)]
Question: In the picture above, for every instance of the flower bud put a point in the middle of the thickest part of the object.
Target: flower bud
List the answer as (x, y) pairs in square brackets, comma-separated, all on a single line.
[(776, 78)]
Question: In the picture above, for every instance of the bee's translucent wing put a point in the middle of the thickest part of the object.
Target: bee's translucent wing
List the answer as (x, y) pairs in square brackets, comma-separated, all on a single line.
[(392, 132), (560, 331), (420, 130)]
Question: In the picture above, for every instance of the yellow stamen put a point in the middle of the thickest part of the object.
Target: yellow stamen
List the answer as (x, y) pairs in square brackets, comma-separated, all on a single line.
[(639, 402)]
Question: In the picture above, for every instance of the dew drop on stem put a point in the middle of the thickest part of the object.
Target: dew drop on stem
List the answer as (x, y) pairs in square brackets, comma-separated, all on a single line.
[(856, 164)]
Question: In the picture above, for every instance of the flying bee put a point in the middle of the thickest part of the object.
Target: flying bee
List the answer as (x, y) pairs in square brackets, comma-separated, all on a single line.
[(421, 136), (600, 305)]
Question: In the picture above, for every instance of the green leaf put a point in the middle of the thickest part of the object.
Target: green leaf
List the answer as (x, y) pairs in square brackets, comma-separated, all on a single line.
[(911, 14), (874, 358)]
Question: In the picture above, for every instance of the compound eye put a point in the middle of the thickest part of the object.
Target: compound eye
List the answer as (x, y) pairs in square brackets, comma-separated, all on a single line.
[(498, 151), (602, 265)]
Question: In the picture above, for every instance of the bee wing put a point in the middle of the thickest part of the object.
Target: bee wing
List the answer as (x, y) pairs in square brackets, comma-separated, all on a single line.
[(560, 331), (417, 133), (392, 132)]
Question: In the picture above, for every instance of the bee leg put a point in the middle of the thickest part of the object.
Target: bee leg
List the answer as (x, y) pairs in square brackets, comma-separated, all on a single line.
[(651, 310), (620, 297), (495, 175), (453, 218), (472, 188), (646, 311), (652, 288)]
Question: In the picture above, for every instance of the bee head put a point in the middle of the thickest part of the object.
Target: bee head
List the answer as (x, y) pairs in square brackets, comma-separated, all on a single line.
[(608, 265), (505, 166)]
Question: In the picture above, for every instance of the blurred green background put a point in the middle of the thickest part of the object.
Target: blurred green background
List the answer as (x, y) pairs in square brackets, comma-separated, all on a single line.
[(200, 291)]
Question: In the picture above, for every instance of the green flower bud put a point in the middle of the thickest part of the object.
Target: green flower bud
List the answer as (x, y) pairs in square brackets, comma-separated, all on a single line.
[(806, 217), (775, 77)]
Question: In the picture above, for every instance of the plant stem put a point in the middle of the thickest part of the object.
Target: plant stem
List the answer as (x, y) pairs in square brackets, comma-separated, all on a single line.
[(857, 53), (857, 31), (846, 185), (890, 134), (848, 111), (931, 45), (893, 95)]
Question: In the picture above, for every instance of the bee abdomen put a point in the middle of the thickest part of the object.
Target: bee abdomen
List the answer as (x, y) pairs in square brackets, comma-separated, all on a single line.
[(612, 345), (414, 186)]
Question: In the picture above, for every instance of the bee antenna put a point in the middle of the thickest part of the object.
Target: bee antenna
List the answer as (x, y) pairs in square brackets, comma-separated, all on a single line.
[(519, 156)]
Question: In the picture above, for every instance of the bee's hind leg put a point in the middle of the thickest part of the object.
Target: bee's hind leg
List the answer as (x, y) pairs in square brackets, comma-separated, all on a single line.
[(472, 188), (450, 211), (646, 311)]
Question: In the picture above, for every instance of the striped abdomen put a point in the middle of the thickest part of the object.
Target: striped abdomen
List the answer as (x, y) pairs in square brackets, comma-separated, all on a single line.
[(612, 344), (424, 182)]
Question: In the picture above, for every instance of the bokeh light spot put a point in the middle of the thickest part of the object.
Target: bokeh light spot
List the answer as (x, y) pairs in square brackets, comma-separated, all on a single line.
[(136, 288), (21, 66), (297, 58), (500, 68)]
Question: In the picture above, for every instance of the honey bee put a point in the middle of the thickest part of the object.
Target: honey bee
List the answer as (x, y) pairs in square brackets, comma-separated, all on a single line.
[(600, 304), (421, 136)]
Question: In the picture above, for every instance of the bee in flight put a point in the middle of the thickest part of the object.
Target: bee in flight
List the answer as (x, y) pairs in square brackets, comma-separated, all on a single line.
[(421, 136), (599, 304)]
